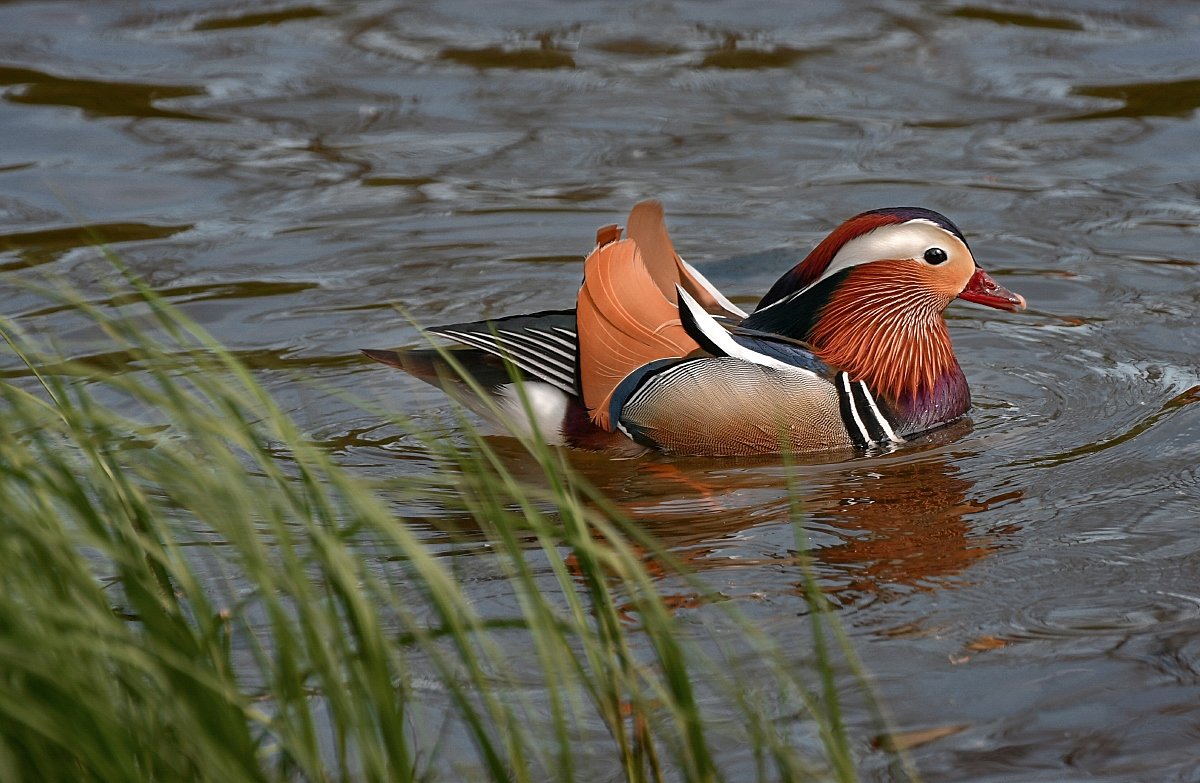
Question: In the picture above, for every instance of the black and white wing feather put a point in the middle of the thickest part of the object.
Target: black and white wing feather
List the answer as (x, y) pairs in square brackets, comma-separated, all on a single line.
[(544, 345)]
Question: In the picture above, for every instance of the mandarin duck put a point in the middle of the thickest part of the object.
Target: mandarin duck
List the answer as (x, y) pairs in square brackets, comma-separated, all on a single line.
[(847, 350)]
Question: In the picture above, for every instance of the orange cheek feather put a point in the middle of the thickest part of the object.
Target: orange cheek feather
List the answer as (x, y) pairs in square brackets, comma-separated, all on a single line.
[(884, 326)]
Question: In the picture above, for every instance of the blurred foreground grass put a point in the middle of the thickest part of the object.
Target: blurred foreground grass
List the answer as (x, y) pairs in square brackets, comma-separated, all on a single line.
[(185, 595)]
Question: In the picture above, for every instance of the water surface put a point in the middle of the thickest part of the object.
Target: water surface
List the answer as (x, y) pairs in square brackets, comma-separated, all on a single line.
[(290, 174)]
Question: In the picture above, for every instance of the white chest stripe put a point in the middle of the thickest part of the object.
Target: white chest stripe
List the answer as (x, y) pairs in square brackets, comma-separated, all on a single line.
[(896, 241), (722, 339), (844, 380), (879, 417), (712, 289)]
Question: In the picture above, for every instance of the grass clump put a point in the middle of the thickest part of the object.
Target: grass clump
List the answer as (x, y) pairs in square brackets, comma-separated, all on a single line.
[(193, 591)]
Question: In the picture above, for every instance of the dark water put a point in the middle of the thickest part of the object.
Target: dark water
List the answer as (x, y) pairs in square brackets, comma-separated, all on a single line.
[(289, 173)]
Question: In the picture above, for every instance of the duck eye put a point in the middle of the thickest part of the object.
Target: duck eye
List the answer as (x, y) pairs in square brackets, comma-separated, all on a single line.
[(935, 255)]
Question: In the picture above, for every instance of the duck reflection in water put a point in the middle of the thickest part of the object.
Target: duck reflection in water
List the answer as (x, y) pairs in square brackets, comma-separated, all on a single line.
[(877, 527)]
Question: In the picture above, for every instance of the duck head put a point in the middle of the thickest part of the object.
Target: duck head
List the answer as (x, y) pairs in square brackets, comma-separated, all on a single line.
[(869, 300), (911, 234)]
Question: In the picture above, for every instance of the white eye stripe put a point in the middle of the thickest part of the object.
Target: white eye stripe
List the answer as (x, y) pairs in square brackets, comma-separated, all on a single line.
[(892, 241), (898, 240)]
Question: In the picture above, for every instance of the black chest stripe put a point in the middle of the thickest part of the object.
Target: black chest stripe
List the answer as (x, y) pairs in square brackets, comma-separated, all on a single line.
[(865, 422), (868, 413), (851, 417)]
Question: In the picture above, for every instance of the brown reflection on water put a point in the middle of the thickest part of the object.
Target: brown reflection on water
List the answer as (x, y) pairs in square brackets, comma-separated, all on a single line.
[(877, 529), (1176, 98), (97, 97), (908, 529), (44, 246)]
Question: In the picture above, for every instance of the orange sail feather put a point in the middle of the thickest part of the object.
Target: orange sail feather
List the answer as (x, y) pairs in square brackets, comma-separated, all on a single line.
[(648, 228), (625, 321)]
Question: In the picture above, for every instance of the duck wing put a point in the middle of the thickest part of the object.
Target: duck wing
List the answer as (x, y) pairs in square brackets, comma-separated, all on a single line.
[(543, 344)]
